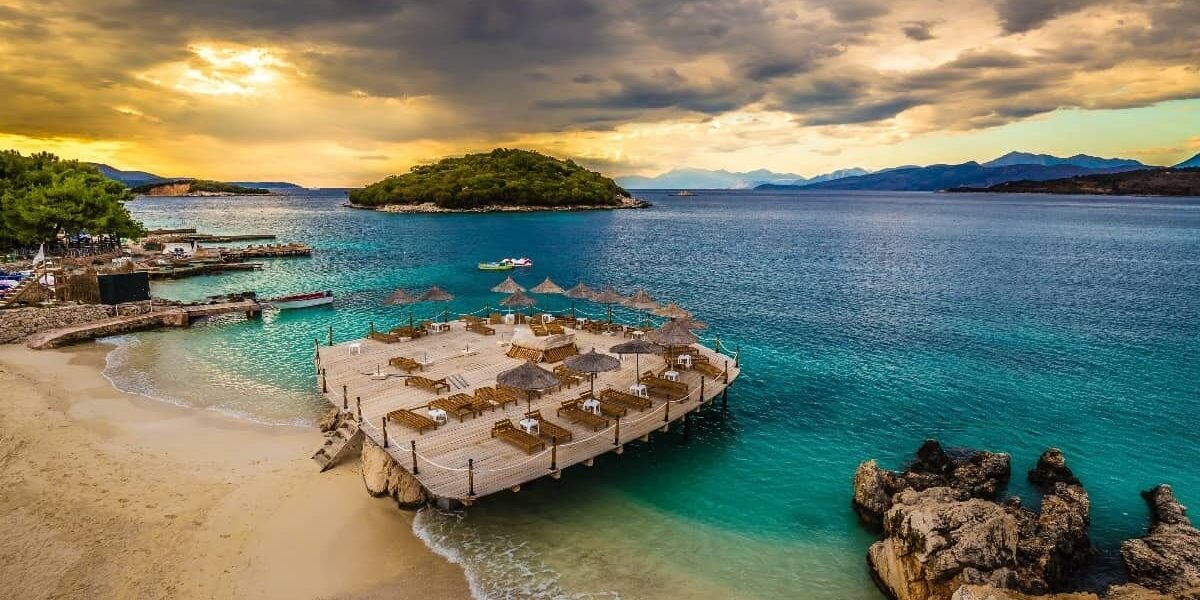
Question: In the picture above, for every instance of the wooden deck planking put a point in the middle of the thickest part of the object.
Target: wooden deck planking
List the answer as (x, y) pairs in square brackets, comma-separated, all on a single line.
[(444, 452)]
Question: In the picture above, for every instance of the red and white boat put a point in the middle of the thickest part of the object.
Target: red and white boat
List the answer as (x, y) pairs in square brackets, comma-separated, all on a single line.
[(302, 300)]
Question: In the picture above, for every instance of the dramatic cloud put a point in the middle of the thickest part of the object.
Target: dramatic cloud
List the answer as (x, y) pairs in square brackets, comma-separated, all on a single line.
[(351, 90)]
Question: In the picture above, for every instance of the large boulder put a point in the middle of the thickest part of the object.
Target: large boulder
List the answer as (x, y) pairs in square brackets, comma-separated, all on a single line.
[(873, 489), (1167, 558), (1054, 542), (987, 592), (384, 477)]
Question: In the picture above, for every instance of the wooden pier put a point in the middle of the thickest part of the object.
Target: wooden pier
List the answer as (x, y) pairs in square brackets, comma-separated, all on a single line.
[(460, 460), (264, 251), (168, 316)]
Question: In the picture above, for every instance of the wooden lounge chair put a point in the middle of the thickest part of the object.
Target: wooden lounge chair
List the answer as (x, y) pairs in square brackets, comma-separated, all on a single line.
[(708, 369), (657, 386), (539, 330), (482, 401), (412, 419), (549, 429), (459, 405), (554, 329), (481, 329), (436, 386), (495, 318), (560, 353), (569, 377), (403, 362), (505, 430), (574, 412), (500, 398), (607, 408), (387, 338), (524, 353), (625, 399)]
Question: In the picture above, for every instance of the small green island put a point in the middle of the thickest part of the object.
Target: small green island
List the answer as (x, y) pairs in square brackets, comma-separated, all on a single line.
[(501, 180), (197, 187)]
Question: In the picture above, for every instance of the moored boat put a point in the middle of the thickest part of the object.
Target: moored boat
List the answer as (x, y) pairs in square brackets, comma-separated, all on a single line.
[(302, 300), (524, 261), (495, 266), (682, 193)]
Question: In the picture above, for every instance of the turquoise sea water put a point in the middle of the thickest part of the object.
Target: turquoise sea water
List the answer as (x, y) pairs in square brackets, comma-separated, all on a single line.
[(868, 322)]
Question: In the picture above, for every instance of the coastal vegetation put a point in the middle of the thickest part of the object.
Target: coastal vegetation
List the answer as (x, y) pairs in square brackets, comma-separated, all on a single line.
[(1146, 182), (197, 187), (43, 197), (502, 177)]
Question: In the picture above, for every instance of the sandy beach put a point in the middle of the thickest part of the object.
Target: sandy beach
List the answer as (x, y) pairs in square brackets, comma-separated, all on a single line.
[(105, 494)]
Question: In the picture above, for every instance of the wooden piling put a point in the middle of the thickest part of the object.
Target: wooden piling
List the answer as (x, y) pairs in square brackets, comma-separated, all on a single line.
[(554, 453), (345, 397), (471, 477), (331, 335), (358, 405), (617, 435), (416, 469), (725, 398), (667, 411), (726, 372), (737, 357), (324, 383), (383, 426)]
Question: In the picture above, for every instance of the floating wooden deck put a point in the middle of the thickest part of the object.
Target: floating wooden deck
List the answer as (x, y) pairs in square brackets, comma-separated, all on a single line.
[(460, 460)]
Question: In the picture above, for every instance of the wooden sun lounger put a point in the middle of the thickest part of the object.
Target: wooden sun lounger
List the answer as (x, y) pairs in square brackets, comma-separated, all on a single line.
[(708, 369), (482, 401), (658, 386), (574, 412), (386, 338), (607, 408), (538, 330), (569, 377), (560, 353), (481, 329), (626, 399), (434, 385), (459, 405), (500, 398), (412, 419), (549, 429), (554, 329), (403, 362), (505, 430)]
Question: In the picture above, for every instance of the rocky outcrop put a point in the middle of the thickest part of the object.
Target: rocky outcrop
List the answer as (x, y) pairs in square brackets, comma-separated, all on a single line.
[(976, 474), (332, 419), (383, 477), (943, 527), (16, 324), (987, 592), (1167, 558)]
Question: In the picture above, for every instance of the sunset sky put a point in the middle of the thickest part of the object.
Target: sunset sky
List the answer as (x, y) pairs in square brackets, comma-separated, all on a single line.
[(340, 92)]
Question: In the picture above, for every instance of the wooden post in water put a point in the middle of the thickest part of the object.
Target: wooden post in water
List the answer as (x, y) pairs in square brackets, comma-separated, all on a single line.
[(317, 354), (345, 397), (370, 328), (737, 357), (416, 469), (554, 453), (617, 435), (331, 335), (725, 398), (471, 477), (702, 399), (717, 345), (726, 372), (358, 405), (667, 411), (383, 425)]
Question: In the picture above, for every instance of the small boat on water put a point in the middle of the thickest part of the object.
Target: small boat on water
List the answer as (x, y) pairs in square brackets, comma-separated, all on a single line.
[(519, 262), (495, 266), (302, 300), (682, 193)]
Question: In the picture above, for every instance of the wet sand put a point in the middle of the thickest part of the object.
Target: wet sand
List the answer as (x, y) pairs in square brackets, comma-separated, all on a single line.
[(105, 494)]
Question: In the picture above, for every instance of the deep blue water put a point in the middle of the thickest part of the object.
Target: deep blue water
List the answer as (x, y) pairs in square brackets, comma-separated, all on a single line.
[(867, 322)]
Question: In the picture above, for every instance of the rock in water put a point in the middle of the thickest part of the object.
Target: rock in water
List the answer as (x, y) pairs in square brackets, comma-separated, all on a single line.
[(1167, 559), (938, 538), (383, 477)]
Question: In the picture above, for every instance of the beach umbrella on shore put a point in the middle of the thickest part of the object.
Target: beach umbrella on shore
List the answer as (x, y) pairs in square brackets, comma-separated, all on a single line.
[(437, 294), (530, 378), (508, 286), (672, 311), (592, 363), (580, 292), (636, 347), (401, 298), (547, 287), (518, 300), (608, 297)]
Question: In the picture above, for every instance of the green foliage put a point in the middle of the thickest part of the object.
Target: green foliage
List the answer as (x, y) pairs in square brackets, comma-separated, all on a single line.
[(501, 177), (42, 197), (205, 185)]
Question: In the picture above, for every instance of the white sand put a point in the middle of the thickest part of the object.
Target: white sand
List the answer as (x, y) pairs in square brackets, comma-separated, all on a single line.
[(105, 494)]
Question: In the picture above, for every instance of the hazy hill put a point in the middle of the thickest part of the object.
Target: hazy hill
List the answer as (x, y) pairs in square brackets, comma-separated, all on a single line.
[(1048, 160), (705, 179), (940, 177), (1145, 182), (1190, 163)]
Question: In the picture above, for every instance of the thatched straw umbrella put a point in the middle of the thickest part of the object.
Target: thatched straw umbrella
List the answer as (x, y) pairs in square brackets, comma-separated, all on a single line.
[(400, 298), (518, 300), (636, 347), (508, 286), (672, 311), (592, 363), (530, 378), (640, 300), (547, 287), (437, 294), (608, 297), (580, 292), (693, 324), (674, 333)]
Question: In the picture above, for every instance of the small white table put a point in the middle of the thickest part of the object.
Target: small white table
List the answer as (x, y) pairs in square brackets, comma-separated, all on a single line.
[(509, 319), (439, 327), (355, 348), (671, 375), (425, 364), (684, 360), (547, 318), (637, 334), (592, 405), (438, 415), (581, 321), (530, 426), (639, 390)]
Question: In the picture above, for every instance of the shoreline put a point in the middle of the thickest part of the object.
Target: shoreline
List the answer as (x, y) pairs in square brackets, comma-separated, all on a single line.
[(111, 494), (431, 208)]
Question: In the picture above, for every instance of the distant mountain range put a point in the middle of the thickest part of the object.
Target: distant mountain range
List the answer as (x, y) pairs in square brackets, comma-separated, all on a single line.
[(704, 179), (1014, 166), (1191, 163), (133, 179), (1142, 182)]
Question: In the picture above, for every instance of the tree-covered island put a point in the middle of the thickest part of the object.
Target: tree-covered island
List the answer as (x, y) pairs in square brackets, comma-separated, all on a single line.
[(503, 179)]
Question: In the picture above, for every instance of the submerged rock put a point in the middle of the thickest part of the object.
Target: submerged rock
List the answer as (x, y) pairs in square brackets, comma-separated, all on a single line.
[(384, 477), (1167, 558), (939, 538)]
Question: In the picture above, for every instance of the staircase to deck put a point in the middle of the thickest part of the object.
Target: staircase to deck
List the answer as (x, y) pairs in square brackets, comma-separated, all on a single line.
[(346, 437)]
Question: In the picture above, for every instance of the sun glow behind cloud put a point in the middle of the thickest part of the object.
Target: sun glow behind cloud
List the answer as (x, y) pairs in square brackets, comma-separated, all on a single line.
[(225, 71)]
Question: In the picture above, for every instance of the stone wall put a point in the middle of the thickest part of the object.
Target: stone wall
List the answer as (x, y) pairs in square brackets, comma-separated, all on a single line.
[(18, 323)]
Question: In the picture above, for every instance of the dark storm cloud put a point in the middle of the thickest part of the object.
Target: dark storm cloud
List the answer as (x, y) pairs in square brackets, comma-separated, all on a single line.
[(918, 31), (1019, 16)]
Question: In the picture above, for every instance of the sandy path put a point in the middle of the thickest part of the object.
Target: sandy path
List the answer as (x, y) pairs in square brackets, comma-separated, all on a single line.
[(105, 494)]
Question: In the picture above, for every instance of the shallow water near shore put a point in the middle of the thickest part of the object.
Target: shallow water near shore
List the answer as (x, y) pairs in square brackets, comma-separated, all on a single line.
[(867, 322)]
